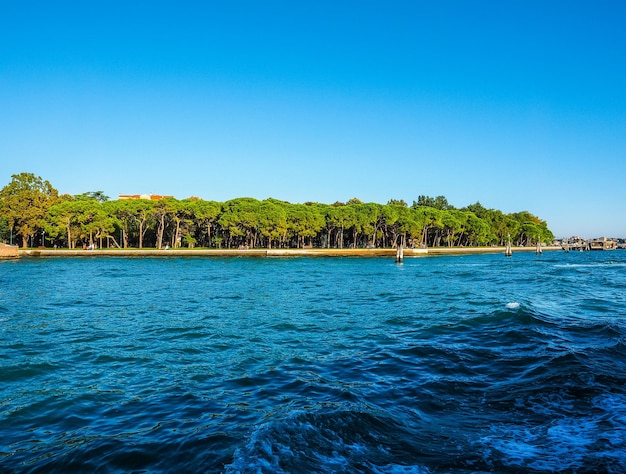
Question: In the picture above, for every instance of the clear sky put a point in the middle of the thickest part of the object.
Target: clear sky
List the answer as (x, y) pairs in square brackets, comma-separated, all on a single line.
[(520, 105)]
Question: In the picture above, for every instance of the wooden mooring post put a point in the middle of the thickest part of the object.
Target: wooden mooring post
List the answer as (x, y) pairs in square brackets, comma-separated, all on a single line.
[(399, 254), (508, 251)]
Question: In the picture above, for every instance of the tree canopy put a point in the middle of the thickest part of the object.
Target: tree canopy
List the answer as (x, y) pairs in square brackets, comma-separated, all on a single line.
[(31, 210), (24, 204)]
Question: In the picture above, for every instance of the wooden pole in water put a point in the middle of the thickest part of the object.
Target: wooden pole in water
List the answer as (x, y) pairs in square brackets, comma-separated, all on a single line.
[(508, 252), (399, 254)]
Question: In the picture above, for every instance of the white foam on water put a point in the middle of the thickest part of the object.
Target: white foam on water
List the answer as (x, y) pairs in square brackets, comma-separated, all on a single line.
[(314, 443), (590, 265), (399, 469), (513, 305), (613, 424), (259, 454), (562, 444), (281, 443)]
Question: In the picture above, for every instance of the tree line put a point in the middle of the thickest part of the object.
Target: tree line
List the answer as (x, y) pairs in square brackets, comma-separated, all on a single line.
[(33, 213)]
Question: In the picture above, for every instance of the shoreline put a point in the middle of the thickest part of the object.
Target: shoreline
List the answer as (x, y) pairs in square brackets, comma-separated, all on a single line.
[(271, 252)]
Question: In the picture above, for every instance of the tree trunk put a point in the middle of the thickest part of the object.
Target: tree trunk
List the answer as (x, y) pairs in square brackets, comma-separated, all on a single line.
[(114, 241), (176, 234), (458, 242), (141, 234), (424, 240), (69, 237), (160, 231)]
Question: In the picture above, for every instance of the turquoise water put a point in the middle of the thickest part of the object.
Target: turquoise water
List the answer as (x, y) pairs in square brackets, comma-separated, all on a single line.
[(441, 364)]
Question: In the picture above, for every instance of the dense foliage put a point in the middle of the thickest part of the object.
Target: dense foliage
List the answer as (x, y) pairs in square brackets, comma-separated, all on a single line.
[(33, 212)]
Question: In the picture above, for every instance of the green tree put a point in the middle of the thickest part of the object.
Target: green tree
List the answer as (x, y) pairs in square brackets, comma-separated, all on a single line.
[(62, 221), (29, 204), (124, 213), (183, 218), (98, 196), (371, 219), (76, 219), (342, 218), (408, 225), (5, 230), (439, 202), (391, 216), (272, 221), (143, 216), (164, 212), (25, 202), (431, 219), (239, 219), (531, 229), (303, 222), (477, 230), (453, 223), (206, 214), (97, 223)]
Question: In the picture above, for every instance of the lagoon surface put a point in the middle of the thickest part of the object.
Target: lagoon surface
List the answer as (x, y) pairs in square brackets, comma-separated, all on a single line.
[(440, 364)]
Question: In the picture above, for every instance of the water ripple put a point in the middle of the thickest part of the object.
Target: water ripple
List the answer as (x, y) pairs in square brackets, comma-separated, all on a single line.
[(447, 364)]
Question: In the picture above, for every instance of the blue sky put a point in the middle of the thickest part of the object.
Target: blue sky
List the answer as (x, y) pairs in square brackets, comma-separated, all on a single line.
[(518, 105)]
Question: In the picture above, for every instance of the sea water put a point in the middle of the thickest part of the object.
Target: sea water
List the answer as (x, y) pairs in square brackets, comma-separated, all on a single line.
[(440, 364)]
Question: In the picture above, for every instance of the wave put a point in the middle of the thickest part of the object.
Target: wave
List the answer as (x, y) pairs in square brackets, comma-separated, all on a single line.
[(360, 441), (592, 442), (608, 263), (337, 441)]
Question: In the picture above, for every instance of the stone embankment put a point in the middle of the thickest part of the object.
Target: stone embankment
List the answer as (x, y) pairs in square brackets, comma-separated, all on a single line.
[(8, 251), (218, 253), (268, 252)]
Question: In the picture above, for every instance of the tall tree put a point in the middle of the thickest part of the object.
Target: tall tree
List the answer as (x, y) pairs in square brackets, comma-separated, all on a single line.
[(206, 214), (143, 212), (62, 221), (343, 217), (240, 219), (164, 212), (95, 195), (123, 212), (439, 202), (272, 221), (5, 231), (25, 202)]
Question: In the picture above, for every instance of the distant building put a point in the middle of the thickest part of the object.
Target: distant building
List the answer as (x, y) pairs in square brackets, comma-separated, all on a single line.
[(602, 244), (150, 197)]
